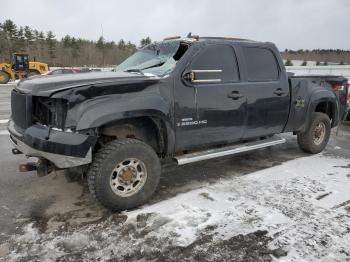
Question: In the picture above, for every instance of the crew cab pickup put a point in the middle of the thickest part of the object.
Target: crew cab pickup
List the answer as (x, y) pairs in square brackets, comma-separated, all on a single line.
[(178, 101)]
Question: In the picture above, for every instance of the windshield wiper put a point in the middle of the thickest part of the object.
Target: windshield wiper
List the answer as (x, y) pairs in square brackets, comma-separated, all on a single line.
[(135, 70), (156, 65)]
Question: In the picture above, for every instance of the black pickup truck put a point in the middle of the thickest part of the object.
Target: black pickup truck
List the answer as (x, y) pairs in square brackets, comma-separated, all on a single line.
[(178, 101)]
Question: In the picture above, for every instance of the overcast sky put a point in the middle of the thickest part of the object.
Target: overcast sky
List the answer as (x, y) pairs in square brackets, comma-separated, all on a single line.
[(291, 24)]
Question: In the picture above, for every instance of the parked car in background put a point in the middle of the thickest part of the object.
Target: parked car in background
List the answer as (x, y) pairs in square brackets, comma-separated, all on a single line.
[(61, 71), (65, 71), (87, 70), (348, 102)]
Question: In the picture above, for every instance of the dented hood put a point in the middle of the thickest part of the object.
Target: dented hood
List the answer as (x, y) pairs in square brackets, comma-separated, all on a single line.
[(48, 85)]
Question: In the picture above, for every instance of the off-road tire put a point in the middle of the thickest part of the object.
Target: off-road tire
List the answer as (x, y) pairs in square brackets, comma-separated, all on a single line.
[(306, 139), (4, 77), (105, 161)]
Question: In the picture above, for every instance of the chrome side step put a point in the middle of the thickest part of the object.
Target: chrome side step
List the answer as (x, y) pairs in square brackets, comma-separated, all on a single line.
[(229, 150)]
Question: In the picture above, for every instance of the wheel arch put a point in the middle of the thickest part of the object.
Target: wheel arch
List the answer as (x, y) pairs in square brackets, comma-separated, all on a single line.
[(324, 101), (112, 110), (149, 129), (327, 107)]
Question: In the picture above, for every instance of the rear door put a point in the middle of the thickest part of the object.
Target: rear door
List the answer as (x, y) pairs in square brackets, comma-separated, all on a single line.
[(266, 89)]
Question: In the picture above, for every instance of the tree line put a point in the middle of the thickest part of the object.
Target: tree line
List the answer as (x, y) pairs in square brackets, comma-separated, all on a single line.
[(68, 51), (321, 56), (71, 51)]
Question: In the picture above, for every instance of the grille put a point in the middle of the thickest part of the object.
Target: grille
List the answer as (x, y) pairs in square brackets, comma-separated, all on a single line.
[(21, 109)]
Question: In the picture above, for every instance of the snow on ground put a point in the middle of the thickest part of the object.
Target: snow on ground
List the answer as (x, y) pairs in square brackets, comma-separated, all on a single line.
[(297, 211)]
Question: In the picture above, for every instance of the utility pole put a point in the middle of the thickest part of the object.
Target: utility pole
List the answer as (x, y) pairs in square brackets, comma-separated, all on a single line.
[(103, 47)]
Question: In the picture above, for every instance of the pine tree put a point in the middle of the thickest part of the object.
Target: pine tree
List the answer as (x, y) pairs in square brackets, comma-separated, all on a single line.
[(66, 41), (145, 41), (288, 63), (20, 43), (131, 46), (101, 46), (10, 32), (121, 44), (2, 45), (29, 36), (51, 44), (74, 48)]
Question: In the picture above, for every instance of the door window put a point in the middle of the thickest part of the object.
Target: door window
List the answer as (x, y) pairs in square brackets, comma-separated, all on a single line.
[(217, 57), (261, 64)]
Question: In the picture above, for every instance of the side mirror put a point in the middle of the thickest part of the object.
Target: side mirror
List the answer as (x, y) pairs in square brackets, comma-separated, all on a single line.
[(203, 76)]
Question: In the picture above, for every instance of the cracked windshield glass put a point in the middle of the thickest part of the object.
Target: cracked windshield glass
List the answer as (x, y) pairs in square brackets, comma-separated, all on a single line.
[(156, 59)]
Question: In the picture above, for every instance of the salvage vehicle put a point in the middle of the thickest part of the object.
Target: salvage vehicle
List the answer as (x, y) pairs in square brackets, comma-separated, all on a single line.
[(177, 101)]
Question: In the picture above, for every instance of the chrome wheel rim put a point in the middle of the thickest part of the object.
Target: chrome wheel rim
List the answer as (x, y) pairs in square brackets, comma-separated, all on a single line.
[(128, 177), (319, 133)]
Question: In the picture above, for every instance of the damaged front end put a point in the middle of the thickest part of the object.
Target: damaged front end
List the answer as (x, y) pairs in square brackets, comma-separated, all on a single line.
[(50, 112), (37, 129)]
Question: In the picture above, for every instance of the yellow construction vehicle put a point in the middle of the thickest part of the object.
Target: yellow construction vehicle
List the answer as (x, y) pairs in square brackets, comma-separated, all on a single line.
[(21, 68)]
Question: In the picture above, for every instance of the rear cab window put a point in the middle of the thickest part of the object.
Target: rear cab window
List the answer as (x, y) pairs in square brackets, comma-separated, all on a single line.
[(261, 64)]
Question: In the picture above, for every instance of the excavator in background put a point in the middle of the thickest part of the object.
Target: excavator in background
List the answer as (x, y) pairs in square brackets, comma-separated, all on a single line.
[(21, 68)]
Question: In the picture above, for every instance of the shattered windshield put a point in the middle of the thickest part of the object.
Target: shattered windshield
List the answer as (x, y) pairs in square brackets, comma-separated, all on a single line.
[(156, 58)]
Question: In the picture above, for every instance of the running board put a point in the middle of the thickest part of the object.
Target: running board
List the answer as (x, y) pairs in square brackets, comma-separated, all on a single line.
[(229, 150)]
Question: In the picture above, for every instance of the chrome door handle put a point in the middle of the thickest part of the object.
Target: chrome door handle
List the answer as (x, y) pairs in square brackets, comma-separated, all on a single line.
[(235, 95)]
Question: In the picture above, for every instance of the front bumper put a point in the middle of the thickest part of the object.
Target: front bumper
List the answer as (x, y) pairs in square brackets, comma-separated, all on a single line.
[(63, 149)]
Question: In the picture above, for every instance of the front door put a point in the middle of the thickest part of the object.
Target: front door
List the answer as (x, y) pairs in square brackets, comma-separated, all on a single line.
[(220, 107)]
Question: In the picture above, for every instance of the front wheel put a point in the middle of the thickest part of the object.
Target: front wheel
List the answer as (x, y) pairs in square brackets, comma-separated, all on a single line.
[(124, 174), (315, 139)]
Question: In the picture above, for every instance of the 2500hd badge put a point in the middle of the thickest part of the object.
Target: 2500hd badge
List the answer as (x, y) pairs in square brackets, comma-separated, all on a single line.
[(190, 122)]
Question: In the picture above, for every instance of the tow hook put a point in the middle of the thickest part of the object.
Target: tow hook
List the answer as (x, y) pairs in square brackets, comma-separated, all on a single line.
[(15, 151), (42, 167), (31, 166)]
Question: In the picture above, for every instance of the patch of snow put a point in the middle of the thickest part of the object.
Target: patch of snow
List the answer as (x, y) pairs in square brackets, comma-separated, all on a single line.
[(301, 204), (30, 233)]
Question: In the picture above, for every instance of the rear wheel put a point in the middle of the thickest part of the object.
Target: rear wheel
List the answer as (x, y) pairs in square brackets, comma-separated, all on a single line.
[(4, 77), (315, 139), (124, 174)]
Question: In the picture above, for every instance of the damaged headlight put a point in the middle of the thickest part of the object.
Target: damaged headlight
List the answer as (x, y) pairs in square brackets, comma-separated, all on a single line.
[(50, 112)]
